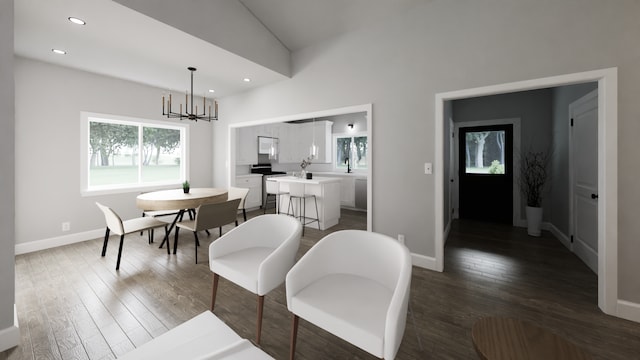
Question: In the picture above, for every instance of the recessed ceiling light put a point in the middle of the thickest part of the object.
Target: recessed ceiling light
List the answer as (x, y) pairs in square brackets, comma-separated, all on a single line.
[(59, 52), (76, 20), (211, 91), (246, 80)]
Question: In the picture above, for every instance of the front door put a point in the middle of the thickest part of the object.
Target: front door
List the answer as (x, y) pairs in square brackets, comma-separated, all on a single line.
[(486, 173)]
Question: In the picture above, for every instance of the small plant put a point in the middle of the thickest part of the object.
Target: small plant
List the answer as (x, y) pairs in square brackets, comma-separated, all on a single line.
[(533, 176), (496, 167), (186, 186), (305, 162)]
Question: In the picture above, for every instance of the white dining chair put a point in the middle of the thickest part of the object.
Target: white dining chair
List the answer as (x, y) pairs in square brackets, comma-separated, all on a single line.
[(122, 228), (239, 193), (354, 284), (256, 256)]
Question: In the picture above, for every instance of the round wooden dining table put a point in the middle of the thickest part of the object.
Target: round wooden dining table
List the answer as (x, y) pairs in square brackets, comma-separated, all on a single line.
[(498, 338), (178, 200)]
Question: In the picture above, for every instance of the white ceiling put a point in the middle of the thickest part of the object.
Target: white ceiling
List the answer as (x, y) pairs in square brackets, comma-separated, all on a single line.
[(120, 42)]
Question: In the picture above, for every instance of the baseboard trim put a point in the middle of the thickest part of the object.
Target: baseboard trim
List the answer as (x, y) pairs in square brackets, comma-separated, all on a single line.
[(425, 262), (447, 230), (628, 310), (564, 239), (44, 244), (10, 337)]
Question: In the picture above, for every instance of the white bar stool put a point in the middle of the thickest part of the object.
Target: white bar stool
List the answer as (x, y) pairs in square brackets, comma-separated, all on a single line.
[(272, 188), (296, 191)]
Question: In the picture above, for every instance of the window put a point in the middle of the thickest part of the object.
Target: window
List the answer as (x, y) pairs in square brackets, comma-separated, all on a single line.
[(484, 152), (120, 153), (350, 151)]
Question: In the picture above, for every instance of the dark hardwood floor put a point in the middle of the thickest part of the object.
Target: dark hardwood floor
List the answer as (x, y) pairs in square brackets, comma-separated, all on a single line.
[(72, 304)]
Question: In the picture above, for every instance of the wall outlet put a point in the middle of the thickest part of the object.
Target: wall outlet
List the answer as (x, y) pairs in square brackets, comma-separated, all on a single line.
[(66, 226), (401, 239), (428, 168)]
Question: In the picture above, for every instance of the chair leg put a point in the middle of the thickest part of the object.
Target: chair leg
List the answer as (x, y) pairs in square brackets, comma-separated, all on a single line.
[(120, 251), (244, 214), (236, 222), (294, 335), (208, 233), (259, 320), (214, 290), (143, 215), (197, 243), (175, 241), (317, 213), (220, 231), (106, 240), (166, 236)]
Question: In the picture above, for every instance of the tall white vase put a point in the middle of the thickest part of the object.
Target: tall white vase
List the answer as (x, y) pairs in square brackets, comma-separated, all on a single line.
[(534, 220)]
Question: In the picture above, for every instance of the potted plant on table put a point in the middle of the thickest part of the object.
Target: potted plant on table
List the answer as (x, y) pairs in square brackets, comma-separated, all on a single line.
[(533, 178), (186, 186)]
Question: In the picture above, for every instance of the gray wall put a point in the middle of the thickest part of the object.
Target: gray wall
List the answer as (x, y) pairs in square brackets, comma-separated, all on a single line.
[(7, 162), (559, 199), (49, 99), (399, 64)]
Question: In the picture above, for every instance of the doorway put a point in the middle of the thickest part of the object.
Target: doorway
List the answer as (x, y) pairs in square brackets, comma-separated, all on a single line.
[(485, 173), (607, 169)]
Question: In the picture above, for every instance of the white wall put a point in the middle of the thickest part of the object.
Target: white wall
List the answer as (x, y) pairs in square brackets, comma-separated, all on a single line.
[(9, 335), (49, 100), (438, 46)]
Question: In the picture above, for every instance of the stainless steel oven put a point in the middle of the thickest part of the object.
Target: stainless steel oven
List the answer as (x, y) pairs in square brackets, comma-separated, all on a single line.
[(267, 172)]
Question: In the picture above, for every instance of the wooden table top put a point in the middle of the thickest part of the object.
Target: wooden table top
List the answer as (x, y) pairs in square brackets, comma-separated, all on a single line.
[(506, 338), (176, 199)]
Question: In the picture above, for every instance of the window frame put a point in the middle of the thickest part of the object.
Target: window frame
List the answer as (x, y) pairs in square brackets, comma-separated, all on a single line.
[(334, 146), (87, 117)]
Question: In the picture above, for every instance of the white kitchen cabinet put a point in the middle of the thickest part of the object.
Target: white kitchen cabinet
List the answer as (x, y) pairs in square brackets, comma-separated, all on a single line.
[(295, 142), (321, 133), (247, 145), (253, 182)]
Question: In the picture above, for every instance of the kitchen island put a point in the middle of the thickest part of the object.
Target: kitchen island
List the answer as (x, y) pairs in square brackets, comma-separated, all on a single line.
[(327, 192)]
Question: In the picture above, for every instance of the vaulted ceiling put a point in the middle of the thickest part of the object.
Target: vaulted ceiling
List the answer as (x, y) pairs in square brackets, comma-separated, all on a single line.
[(153, 42)]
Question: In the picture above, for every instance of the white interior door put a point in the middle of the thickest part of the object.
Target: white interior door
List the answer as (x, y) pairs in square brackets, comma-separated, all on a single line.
[(584, 178)]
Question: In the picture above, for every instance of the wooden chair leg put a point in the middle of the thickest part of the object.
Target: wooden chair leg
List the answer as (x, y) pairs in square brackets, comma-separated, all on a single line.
[(259, 320), (214, 290), (294, 335), (106, 240), (120, 251)]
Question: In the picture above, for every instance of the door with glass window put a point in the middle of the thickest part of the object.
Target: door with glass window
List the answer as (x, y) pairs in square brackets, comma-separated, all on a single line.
[(486, 173)]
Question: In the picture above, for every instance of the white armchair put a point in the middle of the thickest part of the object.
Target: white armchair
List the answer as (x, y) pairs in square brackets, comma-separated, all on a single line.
[(354, 284), (256, 255)]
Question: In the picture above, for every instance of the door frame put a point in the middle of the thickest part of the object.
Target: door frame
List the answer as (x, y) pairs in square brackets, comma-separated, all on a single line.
[(607, 168), (515, 123)]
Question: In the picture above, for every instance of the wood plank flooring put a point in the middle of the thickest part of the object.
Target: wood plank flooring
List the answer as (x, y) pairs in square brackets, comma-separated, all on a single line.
[(72, 304)]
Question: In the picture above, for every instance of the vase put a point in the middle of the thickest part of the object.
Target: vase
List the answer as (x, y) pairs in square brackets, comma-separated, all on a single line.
[(186, 190), (534, 220)]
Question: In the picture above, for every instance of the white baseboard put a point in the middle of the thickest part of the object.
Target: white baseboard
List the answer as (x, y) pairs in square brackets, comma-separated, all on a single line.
[(44, 244), (628, 310), (10, 336), (564, 239), (425, 262)]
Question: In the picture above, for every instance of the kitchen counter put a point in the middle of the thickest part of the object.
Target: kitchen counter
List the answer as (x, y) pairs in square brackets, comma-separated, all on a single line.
[(341, 174), (316, 179), (327, 192)]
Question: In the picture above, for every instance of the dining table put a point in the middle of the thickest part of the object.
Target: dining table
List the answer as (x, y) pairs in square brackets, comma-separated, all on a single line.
[(178, 200)]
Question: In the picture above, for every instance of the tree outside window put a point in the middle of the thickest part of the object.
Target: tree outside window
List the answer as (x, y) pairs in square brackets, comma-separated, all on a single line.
[(128, 153)]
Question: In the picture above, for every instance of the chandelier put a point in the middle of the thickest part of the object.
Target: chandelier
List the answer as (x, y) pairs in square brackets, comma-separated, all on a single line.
[(190, 113)]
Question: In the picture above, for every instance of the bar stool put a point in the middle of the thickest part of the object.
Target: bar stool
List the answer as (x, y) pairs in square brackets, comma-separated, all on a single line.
[(296, 191), (272, 188)]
